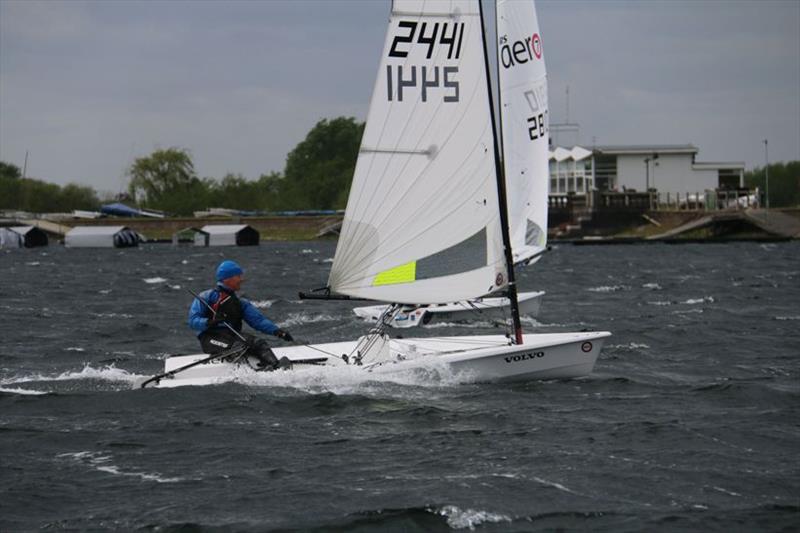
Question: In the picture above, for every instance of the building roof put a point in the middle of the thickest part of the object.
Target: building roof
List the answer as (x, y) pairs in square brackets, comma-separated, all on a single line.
[(638, 149), (22, 230), (731, 165), (96, 230), (576, 153), (220, 229)]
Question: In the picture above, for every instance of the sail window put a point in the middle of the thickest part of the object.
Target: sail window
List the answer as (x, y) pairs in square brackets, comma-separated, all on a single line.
[(469, 254), (401, 274), (534, 236)]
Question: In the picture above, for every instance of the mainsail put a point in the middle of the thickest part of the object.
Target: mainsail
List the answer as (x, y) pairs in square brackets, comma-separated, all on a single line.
[(422, 222), (525, 125)]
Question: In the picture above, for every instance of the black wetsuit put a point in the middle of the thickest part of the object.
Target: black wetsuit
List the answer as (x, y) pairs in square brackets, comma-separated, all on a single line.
[(220, 338)]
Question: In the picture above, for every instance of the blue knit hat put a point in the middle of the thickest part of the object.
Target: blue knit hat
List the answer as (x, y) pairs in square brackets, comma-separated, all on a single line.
[(228, 269)]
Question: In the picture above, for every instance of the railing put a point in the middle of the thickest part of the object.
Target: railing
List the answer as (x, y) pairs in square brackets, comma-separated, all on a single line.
[(569, 201), (622, 201), (709, 200), (630, 201)]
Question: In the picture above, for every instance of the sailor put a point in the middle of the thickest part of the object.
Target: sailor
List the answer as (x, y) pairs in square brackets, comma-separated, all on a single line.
[(225, 309)]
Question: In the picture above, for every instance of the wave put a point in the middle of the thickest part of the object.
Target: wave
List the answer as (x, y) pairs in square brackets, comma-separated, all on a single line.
[(703, 300), (553, 484), (629, 346), (296, 319), (262, 304), (609, 288), (354, 380), (476, 324), (106, 373), (687, 311), (792, 317), (22, 391), (428, 518), (103, 463), (458, 518), (154, 280)]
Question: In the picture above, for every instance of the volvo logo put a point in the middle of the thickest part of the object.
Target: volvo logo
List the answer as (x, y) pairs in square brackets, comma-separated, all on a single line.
[(523, 356)]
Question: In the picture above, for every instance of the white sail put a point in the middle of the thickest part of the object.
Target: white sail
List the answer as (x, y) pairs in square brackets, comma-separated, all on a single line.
[(524, 117), (422, 222)]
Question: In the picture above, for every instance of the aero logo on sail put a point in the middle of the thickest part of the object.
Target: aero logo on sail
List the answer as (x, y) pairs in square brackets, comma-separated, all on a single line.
[(521, 51)]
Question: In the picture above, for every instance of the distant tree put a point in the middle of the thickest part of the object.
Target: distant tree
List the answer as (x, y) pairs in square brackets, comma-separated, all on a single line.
[(74, 196), (319, 169), (28, 194), (784, 183), (40, 197), (237, 192), (9, 170), (271, 187), (9, 186), (166, 180)]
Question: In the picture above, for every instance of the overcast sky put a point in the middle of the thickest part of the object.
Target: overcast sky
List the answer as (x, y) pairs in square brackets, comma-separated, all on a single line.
[(87, 87)]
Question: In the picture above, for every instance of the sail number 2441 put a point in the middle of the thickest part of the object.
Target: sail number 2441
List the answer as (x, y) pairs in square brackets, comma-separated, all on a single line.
[(444, 36)]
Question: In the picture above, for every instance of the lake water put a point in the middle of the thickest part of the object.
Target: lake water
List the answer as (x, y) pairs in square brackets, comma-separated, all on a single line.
[(690, 421)]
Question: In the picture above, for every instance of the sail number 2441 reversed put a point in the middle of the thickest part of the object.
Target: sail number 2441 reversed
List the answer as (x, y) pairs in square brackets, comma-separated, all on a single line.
[(442, 37)]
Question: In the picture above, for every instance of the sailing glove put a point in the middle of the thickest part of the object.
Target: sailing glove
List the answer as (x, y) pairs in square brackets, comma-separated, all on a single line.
[(217, 319), (285, 335)]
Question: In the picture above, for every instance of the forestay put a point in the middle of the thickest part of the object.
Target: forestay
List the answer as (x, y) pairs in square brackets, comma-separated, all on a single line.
[(422, 218), (523, 96)]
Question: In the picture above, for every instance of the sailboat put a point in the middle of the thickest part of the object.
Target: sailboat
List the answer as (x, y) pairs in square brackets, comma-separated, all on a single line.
[(430, 218), (524, 120)]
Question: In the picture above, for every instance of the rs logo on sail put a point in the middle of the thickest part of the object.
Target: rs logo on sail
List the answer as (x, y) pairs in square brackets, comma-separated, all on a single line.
[(523, 357), (520, 51)]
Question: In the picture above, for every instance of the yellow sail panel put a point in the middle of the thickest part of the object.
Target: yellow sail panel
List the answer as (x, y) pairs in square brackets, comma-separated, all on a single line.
[(401, 274)]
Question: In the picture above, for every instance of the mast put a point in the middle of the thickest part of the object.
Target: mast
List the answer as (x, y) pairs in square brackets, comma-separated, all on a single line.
[(501, 193)]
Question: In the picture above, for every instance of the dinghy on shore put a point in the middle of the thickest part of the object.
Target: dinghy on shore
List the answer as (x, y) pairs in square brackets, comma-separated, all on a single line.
[(488, 308)]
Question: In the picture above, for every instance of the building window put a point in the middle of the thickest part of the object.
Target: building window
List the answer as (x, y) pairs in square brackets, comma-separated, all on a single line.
[(579, 185), (605, 172)]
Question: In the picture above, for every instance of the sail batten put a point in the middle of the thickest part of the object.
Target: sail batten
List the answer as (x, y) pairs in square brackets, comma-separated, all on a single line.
[(424, 184)]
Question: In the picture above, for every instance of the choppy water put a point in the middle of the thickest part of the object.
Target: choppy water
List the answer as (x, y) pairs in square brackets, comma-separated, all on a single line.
[(690, 421)]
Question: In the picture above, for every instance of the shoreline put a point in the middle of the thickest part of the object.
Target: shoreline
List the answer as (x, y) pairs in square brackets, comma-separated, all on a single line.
[(775, 225)]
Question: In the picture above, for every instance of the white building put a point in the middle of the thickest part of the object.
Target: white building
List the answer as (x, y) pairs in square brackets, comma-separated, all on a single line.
[(22, 237), (665, 168), (101, 237), (226, 235)]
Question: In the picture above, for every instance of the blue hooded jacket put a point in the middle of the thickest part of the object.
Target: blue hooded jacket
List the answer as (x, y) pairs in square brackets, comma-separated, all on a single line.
[(198, 313)]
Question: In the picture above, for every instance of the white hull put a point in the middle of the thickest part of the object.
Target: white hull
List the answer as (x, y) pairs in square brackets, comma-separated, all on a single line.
[(478, 309), (487, 358)]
